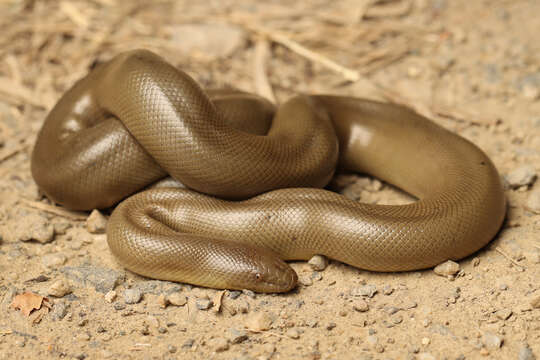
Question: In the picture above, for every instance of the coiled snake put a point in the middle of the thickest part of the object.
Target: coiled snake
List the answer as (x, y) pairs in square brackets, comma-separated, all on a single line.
[(253, 196)]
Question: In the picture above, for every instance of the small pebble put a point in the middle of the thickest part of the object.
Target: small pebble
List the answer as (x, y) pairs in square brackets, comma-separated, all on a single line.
[(110, 296), (526, 353), (172, 349), (237, 336), (54, 260), (425, 341), (504, 314), (361, 306), (204, 304), (533, 201), (331, 325), (177, 299), (259, 321), (318, 262), (447, 268), (219, 344), (96, 223), (388, 290), (366, 290), (188, 343), (132, 296), (491, 341), (293, 334), (32, 227), (521, 176), (59, 288)]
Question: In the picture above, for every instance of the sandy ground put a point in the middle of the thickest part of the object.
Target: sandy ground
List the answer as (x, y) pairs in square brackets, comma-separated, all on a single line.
[(472, 66)]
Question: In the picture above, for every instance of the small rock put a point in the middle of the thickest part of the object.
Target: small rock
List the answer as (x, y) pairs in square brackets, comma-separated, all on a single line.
[(59, 310), (318, 262), (132, 296), (78, 236), (366, 290), (59, 288), (522, 176), (237, 336), (249, 293), (234, 294), (110, 296), (425, 341), (177, 299), (188, 343), (259, 321), (31, 227), (331, 325), (492, 341), (361, 306), (172, 349), (204, 304), (388, 290), (96, 223), (535, 302), (219, 344), (447, 268), (526, 353), (533, 202), (503, 314), (102, 279), (293, 334), (54, 260)]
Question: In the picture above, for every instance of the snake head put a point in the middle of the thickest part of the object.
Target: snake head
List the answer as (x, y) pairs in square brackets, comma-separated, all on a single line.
[(263, 271)]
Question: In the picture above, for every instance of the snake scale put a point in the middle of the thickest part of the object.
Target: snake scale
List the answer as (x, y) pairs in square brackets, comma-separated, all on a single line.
[(247, 190)]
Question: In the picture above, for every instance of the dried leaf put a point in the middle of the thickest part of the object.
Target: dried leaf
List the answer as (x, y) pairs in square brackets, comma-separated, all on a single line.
[(28, 302)]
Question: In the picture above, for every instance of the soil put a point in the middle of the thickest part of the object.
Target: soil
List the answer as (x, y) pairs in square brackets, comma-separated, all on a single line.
[(471, 66)]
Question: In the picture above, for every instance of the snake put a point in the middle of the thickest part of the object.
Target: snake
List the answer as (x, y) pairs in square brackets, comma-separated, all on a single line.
[(220, 188)]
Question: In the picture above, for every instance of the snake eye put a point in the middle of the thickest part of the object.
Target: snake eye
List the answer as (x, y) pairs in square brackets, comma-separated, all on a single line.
[(258, 276)]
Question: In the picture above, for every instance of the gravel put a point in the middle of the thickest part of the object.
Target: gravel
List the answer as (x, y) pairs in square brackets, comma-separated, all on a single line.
[(521, 176), (177, 299), (102, 279), (526, 353), (447, 268), (491, 341), (203, 304), (59, 288), (54, 260), (366, 290), (96, 223), (318, 262), (132, 296)]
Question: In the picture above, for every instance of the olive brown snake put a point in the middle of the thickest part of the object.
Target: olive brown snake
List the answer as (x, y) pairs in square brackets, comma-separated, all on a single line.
[(255, 179)]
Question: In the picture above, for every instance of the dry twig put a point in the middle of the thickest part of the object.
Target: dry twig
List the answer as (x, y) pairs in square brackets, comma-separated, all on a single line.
[(262, 84), (72, 215)]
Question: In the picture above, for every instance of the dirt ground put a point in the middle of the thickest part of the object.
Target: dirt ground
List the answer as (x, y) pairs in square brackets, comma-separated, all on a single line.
[(472, 66)]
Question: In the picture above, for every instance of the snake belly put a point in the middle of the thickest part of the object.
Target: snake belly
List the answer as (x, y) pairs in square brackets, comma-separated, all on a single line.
[(253, 178)]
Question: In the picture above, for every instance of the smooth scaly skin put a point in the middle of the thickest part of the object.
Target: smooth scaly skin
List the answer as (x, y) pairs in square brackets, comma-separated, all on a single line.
[(85, 158)]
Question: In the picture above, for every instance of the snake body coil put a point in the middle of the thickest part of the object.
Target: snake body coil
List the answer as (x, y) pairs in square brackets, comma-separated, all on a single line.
[(135, 119)]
